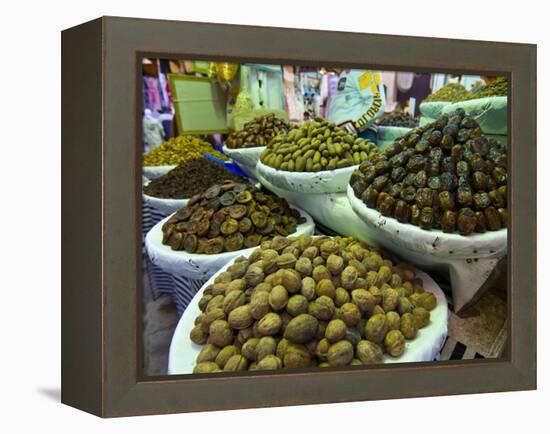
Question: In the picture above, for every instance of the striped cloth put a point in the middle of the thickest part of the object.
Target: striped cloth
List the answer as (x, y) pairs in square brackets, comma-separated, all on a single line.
[(160, 281), (184, 290)]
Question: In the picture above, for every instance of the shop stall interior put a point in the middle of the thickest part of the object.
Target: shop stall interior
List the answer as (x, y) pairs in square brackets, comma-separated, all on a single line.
[(409, 166)]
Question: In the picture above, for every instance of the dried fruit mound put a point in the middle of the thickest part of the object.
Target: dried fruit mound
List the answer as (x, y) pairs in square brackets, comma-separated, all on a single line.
[(397, 118), (316, 146), (446, 175), (178, 149), (452, 92), (229, 216), (258, 132), (306, 302), (190, 177)]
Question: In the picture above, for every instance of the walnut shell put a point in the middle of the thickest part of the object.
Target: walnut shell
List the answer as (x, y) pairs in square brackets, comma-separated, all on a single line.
[(325, 287), (220, 333), (278, 298), (376, 328), (206, 368), (208, 353), (240, 317), (304, 266), (269, 324), (421, 316), (363, 299), (236, 363), (296, 305), (233, 300), (292, 281), (308, 288), (350, 314), (269, 363), (393, 320), (340, 353), (259, 304), (390, 298), (198, 336), (336, 330), (368, 352), (394, 343), (320, 272), (335, 264), (266, 345), (225, 353), (408, 326), (322, 308), (348, 277), (249, 348), (297, 356), (301, 329)]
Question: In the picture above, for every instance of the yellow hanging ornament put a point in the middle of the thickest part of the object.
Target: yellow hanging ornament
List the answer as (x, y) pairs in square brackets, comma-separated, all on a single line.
[(212, 70), (227, 71)]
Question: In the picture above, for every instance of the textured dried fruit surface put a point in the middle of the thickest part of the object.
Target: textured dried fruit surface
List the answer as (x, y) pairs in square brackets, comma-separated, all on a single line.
[(228, 216), (257, 132), (316, 146), (350, 307), (446, 175)]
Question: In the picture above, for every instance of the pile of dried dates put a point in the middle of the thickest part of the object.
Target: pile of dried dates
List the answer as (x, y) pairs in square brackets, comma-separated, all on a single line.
[(446, 175), (258, 132), (229, 216), (309, 302)]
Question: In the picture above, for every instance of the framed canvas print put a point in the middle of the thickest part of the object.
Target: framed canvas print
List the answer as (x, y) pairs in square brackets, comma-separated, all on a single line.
[(264, 217)]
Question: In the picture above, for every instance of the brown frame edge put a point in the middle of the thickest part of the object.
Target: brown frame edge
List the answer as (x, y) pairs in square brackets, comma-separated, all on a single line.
[(100, 172)]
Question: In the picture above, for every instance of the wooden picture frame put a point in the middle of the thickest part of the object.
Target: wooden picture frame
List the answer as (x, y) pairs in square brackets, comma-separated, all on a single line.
[(101, 232)]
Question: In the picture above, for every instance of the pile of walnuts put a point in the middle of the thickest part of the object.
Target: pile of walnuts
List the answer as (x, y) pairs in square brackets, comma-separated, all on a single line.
[(309, 302)]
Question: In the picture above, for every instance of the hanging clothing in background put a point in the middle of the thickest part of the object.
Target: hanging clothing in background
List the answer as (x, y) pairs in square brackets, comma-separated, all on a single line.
[(358, 101), (152, 94), (438, 81), (153, 132), (419, 89), (389, 78), (294, 103), (264, 84), (328, 88)]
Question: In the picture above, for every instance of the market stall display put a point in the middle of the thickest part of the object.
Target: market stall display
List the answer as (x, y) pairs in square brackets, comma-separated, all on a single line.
[(258, 132), (171, 191), (200, 266), (445, 175), (497, 87), (316, 157), (170, 153), (452, 92), (342, 215), (397, 118), (246, 145), (306, 302), (229, 216), (432, 107), (490, 113)]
